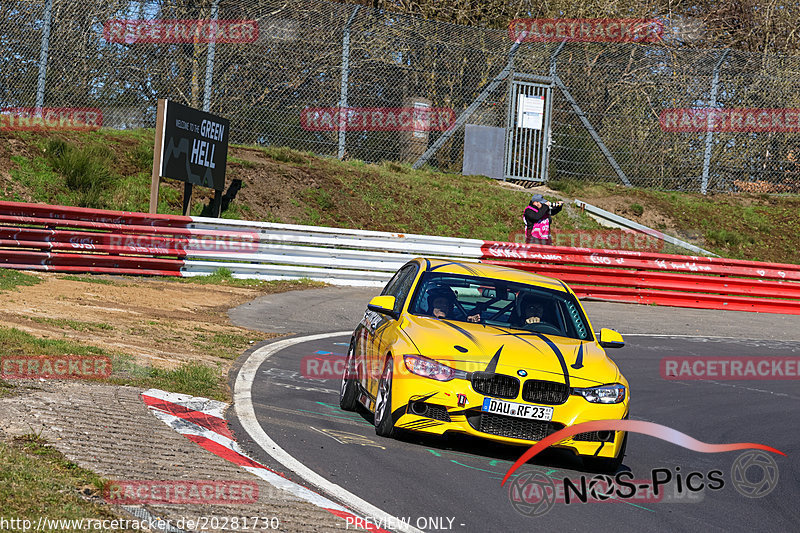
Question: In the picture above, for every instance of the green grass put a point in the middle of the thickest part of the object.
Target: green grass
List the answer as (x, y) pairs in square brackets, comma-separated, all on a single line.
[(225, 345), (90, 278), (11, 279), (36, 480), (18, 342), (86, 170), (77, 325), (287, 155), (191, 378), (224, 276), (6, 389)]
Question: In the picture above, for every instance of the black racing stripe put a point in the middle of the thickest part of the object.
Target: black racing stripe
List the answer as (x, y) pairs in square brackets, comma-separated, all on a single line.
[(578, 364), (492, 366), (456, 263), (422, 421), (602, 443), (560, 357), (400, 411), (427, 264), (464, 332), (422, 424), (519, 336), (421, 398)]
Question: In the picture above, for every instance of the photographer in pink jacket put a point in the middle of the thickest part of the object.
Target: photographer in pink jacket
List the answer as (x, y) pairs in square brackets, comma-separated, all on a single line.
[(537, 219)]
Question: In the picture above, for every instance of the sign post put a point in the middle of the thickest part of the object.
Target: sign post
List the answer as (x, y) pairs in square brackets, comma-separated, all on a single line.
[(190, 146), (158, 152)]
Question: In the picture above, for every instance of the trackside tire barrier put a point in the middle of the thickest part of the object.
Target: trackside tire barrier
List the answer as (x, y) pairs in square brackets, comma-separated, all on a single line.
[(72, 239)]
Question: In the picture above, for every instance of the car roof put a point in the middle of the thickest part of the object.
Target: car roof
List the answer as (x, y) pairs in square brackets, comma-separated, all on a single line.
[(485, 270)]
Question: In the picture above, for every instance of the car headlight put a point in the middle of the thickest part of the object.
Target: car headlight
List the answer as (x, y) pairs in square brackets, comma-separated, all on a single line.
[(428, 368), (602, 394)]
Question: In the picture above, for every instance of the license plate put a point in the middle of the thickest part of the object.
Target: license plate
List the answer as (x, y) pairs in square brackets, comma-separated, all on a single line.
[(520, 410)]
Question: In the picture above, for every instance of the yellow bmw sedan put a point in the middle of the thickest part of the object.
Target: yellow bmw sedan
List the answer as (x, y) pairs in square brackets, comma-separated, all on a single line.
[(493, 352)]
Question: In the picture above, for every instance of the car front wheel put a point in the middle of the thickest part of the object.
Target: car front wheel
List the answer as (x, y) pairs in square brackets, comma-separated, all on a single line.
[(348, 392), (384, 425)]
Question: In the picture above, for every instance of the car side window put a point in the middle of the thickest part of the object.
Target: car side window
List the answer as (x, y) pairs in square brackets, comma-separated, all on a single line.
[(400, 285), (391, 288), (404, 287)]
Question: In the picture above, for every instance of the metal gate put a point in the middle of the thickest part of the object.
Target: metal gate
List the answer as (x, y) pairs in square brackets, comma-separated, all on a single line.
[(528, 127)]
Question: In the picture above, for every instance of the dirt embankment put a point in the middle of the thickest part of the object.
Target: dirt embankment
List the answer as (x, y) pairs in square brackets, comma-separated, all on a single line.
[(160, 323)]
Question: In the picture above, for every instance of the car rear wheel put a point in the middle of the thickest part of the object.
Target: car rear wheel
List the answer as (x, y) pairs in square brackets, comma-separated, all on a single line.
[(348, 392), (607, 464), (384, 425)]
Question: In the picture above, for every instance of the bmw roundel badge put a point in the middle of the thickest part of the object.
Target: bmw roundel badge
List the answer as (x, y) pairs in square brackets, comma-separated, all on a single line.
[(522, 373)]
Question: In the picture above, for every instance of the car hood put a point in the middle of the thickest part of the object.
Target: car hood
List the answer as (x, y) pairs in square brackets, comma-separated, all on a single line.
[(477, 347)]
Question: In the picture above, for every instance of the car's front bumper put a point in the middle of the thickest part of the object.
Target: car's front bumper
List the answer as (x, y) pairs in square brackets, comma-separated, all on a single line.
[(444, 414)]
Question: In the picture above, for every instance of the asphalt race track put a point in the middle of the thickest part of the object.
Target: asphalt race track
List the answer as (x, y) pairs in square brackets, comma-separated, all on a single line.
[(453, 484)]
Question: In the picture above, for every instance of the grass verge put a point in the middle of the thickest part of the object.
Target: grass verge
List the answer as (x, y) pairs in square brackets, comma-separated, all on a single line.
[(37, 481), (11, 279), (190, 378)]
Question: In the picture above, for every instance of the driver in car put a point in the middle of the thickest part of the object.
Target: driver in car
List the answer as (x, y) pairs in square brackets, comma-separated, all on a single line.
[(533, 312), (441, 303), (530, 311)]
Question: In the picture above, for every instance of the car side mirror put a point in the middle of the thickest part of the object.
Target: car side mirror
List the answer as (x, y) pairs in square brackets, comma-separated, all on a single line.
[(611, 339), (383, 305)]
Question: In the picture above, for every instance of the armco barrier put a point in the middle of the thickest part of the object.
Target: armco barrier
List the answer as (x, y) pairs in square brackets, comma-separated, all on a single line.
[(69, 239)]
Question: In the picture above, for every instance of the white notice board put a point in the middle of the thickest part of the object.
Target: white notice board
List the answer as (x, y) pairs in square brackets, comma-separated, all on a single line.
[(530, 110)]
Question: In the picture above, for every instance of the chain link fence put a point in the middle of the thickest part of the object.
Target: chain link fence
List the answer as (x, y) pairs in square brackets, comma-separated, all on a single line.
[(309, 54)]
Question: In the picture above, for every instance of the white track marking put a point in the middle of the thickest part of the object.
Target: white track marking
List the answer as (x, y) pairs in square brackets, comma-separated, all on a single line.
[(243, 404), (698, 336)]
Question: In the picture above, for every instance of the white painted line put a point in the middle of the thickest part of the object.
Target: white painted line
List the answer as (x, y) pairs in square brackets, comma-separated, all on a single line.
[(243, 404), (699, 336)]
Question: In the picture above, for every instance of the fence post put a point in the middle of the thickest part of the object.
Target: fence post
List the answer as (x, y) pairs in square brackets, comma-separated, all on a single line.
[(216, 203), (710, 134), (548, 138), (43, 54), (345, 75), (212, 49)]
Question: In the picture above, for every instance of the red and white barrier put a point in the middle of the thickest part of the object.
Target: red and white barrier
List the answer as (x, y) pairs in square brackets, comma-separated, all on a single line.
[(203, 422), (71, 239)]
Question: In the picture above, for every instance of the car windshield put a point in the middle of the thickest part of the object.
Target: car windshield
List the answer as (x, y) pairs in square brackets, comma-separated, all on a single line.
[(499, 303)]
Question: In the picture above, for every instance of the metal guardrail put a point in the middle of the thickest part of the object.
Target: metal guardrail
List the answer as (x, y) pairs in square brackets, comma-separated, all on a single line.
[(630, 224), (70, 239)]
